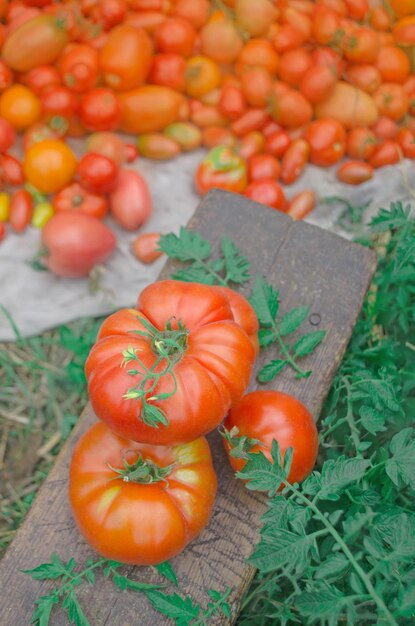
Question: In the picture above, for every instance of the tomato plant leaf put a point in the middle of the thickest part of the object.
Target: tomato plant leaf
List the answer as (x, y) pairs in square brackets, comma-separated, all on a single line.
[(325, 601), (281, 548), (75, 613), (187, 246), (182, 610), (333, 566), (270, 370), (292, 320), (166, 570), (337, 474), (44, 606), (266, 337), (372, 419), (48, 571), (308, 342), (400, 467), (265, 301), (236, 264)]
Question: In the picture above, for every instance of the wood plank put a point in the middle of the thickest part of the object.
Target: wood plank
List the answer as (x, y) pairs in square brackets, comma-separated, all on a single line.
[(309, 266)]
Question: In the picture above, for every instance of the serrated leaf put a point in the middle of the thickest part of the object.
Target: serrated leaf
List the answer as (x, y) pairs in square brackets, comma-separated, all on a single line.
[(406, 602), (264, 299), (261, 474), (266, 337), (337, 474), (271, 370), (75, 613), (236, 264), (280, 548), (47, 571), (323, 602), (123, 582), (333, 566), (182, 610), (292, 320), (44, 606), (401, 466), (166, 570), (308, 342), (195, 273), (187, 246), (383, 394), (356, 584), (372, 420)]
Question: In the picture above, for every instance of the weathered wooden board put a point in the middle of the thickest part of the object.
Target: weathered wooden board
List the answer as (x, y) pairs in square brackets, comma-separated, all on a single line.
[(309, 266)]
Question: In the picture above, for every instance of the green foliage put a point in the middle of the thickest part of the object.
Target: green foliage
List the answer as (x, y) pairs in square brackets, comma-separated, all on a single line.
[(338, 550), (265, 301)]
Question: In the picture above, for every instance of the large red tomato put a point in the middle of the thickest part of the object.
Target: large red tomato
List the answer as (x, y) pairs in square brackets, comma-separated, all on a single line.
[(243, 314), (268, 415), (169, 370), (140, 521)]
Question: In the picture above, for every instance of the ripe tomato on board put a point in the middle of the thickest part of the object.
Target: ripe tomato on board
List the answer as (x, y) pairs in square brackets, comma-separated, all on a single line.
[(269, 415), (209, 359), (243, 314), (140, 522)]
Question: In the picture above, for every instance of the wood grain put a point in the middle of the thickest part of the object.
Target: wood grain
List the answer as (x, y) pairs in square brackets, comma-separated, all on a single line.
[(310, 267)]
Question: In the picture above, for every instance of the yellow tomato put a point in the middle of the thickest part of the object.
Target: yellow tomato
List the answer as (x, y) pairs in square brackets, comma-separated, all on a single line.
[(49, 165), (202, 76), (4, 206), (20, 106), (42, 214)]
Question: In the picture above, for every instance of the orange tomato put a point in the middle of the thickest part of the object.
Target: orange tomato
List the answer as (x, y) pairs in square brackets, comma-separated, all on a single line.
[(294, 161), (348, 105), (366, 77), (258, 52), (291, 109), (318, 82), (406, 140), (256, 86), (327, 141), (251, 144), (355, 172), (301, 205), (175, 35), (49, 165), (232, 102), (391, 100), (380, 19), (213, 136), (220, 40), (388, 153), (145, 247), (402, 8), (149, 108), (385, 128), (325, 25), (357, 9), (362, 46), (125, 59), (361, 143), (287, 37), (20, 106), (293, 65), (252, 120), (202, 75), (255, 16), (194, 11), (393, 64)]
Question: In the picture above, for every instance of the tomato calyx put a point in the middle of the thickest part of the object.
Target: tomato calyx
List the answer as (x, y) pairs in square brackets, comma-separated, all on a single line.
[(142, 471), (239, 445), (168, 345)]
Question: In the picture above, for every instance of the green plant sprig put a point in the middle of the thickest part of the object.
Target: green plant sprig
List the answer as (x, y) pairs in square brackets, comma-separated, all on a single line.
[(265, 301)]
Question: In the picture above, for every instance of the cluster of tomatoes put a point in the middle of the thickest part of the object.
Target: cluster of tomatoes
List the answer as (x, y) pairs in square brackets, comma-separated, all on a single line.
[(160, 377), (266, 85)]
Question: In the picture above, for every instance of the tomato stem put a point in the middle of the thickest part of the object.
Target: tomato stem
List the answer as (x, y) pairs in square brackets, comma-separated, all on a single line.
[(142, 471)]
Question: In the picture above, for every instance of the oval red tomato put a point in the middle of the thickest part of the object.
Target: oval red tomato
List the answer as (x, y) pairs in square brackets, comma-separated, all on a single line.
[(130, 201), (269, 415), (202, 357), (141, 523)]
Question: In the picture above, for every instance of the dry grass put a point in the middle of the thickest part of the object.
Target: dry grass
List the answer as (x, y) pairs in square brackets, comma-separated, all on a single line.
[(42, 392)]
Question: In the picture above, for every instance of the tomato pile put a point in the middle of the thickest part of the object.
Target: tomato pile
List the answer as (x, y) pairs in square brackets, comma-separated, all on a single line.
[(266, 85), (160, 377)]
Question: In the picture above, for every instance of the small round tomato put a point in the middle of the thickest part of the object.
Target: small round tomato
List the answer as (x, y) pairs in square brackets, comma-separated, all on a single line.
[(58, 102), (11, 170), (140, 521), (41, 77), (355, 172), (97, 173), (406, 140), (255, 16), (256, 86), (232, 102), (327, 141), (175, 35), (267, 191), (6, 76), (392, 101), (202, 76), (220, 41), (221, 168), (385, 128), (76, 243), (108, 144), (317, 83), (325, 25), (362, 46), (361, 143), (168, 70), (291, 109), (357, 9), (205, 345), (145, 247), (380, 19), (243, 314), (266, 416), (258, 52), (78, 67), (49, 165), (387, 153), (277, 143), (75, 198), (393, 64), (7, 135), (250, 144), (301, 204), (100, 109), (21, 209), (294, 161), (293, 65), (187, 135), (286, 38), (263, 166), (112, 12), (366, 77), (194, 11), (19, 106)]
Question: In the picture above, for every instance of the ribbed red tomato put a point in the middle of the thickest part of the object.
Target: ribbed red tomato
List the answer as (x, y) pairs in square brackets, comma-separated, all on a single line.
[(169, 370)]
